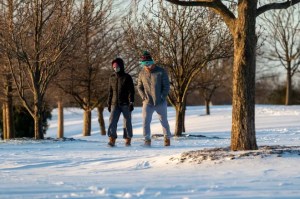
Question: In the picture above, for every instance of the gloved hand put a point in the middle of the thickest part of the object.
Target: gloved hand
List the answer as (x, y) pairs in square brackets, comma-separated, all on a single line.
[(131, 107), (109, 108)]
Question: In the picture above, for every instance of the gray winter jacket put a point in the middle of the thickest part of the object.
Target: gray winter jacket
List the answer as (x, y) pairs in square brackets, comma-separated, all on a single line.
[(153, 86)]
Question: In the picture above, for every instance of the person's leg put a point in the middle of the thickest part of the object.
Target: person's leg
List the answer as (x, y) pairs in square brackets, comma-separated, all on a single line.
[(147, 117), (113, 121), (128, 125), (163, 118), (124, 129)]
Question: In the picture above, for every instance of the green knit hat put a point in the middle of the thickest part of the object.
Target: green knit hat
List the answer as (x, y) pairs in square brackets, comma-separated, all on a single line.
[(146, 59)]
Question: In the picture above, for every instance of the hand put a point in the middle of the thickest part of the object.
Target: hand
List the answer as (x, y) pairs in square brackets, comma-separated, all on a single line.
[(131, 107), (109, 108)]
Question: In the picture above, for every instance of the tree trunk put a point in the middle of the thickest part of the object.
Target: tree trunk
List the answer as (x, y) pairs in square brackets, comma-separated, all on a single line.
[(9, 109), (179, 120), (8, 127), (60, 118), (87, 122), (4, 128), (101, 120), (38, 128), (10, 133), (183, 116), (37, 114), (9, 121), (243, 102), (288, 86), (207, 106)]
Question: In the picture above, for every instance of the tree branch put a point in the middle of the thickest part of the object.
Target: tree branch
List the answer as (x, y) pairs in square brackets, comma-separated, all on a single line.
[(275, 6), (216, 5), (205, 3)]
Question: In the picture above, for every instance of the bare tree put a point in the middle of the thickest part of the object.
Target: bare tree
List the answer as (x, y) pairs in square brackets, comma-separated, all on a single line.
[(86, 76), (7, 109), (41, 32), (184, 41), (212, 78), (242, 24), (283, 29), (7, 9)]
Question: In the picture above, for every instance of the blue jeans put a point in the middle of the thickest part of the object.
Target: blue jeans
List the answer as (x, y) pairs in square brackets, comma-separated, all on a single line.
[(161, 110), (114, 118)]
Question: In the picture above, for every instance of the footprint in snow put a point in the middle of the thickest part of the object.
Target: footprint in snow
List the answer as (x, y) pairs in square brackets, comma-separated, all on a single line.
[(143, 165), (267, 171)]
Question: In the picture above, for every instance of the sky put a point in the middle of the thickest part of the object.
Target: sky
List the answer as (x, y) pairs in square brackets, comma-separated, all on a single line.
[(84, 167)]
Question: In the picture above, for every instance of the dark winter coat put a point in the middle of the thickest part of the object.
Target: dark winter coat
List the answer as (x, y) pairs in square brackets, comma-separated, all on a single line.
[(121, 89)]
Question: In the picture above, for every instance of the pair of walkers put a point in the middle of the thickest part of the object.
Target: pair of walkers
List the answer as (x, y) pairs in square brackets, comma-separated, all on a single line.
[(153, 87)]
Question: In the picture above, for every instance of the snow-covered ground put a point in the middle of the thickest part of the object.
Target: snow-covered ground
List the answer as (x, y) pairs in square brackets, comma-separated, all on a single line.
[(87, 168)]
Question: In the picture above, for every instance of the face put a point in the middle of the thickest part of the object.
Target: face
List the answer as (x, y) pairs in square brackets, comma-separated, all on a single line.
[(116, 67), (149, 65)]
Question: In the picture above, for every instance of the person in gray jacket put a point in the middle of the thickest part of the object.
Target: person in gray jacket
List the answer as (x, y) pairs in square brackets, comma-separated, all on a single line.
[(153, 87)]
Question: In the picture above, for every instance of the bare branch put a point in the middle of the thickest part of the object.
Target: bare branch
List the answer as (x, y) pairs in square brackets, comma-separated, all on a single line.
[(205, 3), (215, 5), (276, 6)]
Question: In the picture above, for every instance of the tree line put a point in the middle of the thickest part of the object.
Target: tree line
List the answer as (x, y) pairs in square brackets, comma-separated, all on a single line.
[(58, 53)]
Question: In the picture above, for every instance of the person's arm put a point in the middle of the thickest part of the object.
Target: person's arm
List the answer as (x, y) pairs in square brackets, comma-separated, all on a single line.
[(110, 94), (131, 89), (140, 87), (165, 85)]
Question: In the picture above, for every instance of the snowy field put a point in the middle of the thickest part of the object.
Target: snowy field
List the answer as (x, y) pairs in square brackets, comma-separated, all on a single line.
[(87, 168)]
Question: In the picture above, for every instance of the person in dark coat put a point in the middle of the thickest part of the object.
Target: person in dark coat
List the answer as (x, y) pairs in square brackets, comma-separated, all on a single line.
[(120, 100)]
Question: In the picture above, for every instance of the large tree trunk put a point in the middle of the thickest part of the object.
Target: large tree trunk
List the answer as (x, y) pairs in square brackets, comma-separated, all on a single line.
[(179, 119), (101, 120), (60, 118), (243, 104), (288, 86), (87, 122)]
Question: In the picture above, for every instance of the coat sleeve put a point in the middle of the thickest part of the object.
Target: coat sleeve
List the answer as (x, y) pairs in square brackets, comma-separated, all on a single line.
[(131, 89), (165, 85), (110, 93), (140, 87)]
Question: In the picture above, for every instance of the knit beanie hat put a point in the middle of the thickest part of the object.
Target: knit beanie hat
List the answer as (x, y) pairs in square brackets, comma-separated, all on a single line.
[(120, 63), (146, 59)]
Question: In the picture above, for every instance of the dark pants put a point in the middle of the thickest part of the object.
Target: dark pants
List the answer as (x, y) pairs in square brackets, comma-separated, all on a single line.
[(114, 118)]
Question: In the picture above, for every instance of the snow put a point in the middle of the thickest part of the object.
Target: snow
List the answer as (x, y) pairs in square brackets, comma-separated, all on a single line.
[(84, 167)]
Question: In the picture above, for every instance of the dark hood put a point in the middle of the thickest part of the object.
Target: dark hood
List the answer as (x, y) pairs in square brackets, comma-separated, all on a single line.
[(120, 63)]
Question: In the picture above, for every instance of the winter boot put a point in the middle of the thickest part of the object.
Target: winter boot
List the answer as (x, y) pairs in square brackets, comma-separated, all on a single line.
[(147, 143), (127, 141), (167, 142), (111, 142)]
